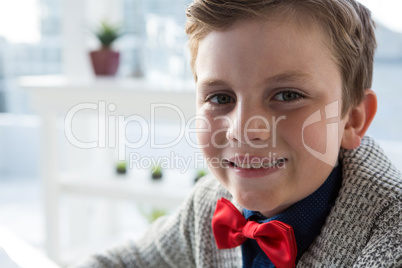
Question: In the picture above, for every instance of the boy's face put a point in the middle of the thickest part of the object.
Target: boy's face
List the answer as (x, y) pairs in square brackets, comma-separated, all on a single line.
[(269, 91)]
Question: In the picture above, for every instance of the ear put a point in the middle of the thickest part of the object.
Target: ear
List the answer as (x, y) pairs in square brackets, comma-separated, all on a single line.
[(360, 118)]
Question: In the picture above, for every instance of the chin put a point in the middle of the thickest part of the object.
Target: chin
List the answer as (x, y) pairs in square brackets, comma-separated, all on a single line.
[(255, 201)]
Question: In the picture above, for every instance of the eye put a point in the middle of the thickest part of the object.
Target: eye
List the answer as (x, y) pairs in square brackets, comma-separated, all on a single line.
[(288, 96), (221, 99)]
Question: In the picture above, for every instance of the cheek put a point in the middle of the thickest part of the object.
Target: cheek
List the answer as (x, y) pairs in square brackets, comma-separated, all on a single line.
[(301, 131), (203, 129), (321, 141), (293, 134), (211, 153), (314, 136), (203, 137), (210, 132), (205, 132), (290, 130)]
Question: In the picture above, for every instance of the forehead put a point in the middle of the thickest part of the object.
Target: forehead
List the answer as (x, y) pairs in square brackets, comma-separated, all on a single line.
[(257, 48)]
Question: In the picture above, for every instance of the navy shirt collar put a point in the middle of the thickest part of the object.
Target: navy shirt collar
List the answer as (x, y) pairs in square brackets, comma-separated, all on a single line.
[(306, 217)]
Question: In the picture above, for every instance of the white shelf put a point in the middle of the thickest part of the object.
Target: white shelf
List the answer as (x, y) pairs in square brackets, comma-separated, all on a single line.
[(54, 97), (168, 192)]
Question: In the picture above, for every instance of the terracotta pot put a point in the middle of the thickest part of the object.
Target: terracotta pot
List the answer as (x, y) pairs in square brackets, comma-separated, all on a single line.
[(105, 61)]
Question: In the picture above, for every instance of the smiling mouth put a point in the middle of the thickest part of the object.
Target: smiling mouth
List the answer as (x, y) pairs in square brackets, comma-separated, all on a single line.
[(271, 164)]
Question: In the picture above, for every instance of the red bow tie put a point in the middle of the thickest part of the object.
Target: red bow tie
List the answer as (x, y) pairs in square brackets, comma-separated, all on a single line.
[(275, 238)]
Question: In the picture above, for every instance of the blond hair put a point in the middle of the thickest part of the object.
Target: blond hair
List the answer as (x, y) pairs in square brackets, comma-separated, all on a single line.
[(347, 23)]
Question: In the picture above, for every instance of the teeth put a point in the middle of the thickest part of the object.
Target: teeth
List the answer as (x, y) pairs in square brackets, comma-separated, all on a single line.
[(256, 165), (268, 164), (260, 165), (245, 166)]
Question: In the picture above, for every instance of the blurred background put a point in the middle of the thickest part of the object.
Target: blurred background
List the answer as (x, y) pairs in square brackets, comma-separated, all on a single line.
[(67, 201)]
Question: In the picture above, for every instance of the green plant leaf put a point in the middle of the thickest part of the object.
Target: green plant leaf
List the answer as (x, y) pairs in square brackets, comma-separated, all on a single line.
[(156, 169), (107, 33)]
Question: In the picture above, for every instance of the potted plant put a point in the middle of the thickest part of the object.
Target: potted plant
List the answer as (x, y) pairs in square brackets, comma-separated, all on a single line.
[(105, 61), (121, 167), (156, 172)]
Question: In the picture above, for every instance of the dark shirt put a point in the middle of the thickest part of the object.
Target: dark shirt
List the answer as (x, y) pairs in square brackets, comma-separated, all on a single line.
[(306, 217)]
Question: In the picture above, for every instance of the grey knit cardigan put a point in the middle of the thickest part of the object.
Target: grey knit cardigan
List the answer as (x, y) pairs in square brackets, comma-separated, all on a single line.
[(363, 229)]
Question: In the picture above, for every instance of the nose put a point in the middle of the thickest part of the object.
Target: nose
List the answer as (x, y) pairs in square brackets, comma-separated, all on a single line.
[(249, 125)]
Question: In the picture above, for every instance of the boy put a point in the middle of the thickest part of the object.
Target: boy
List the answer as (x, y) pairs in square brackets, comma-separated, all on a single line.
[(284, 101)]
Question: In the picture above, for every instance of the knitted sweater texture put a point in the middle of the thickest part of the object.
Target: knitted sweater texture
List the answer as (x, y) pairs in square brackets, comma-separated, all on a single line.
[(363, 229)]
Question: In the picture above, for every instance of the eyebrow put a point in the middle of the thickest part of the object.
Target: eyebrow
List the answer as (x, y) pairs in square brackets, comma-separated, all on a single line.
[(292, 76), (299, 77), (210, 82)]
